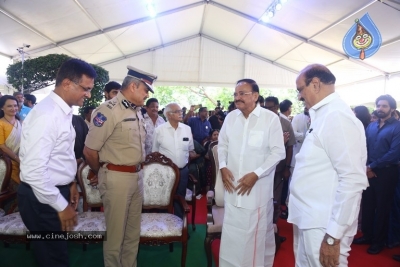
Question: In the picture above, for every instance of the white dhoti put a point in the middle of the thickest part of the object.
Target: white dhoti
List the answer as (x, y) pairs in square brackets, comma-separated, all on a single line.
[(307, 243), (247, 237)]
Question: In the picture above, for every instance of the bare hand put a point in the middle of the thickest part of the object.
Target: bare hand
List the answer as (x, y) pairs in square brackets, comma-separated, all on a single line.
[(227, 180), (92, 177), (371, 174), (329, 255), (286, 173), (74, 196), (246, 183), (286, 136), (68, 218)]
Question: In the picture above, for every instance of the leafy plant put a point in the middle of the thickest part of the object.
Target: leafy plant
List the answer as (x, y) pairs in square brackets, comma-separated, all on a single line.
[(41, 72)]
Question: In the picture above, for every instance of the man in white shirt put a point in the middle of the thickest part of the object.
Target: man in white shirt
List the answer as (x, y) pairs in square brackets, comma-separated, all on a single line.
[(175, 140), (330, 175), (47, 195), (250, 145), (151, 121)]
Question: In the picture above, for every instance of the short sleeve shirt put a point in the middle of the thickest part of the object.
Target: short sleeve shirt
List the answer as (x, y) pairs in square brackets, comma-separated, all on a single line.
[(117, 131)]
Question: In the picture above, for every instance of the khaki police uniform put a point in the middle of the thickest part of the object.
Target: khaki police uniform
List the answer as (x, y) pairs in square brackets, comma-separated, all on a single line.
[(118, 133)]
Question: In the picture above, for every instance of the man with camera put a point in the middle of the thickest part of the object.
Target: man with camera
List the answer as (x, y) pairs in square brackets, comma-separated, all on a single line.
[(217, 119)]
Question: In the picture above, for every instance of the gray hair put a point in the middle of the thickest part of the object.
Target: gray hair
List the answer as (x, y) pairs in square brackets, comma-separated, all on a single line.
[(168, 109), (128, 80)]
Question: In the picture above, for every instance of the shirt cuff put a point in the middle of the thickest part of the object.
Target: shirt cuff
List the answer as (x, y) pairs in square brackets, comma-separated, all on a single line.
[(60, 203), (258, 172), (334, 230), (222, 165)]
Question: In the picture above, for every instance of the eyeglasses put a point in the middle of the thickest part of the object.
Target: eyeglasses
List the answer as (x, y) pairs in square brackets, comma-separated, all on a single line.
[(241, 94), (176, 111), (84, 89), (271, 107)]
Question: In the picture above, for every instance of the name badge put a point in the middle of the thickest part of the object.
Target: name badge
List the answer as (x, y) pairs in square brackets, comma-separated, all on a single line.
[(185, 139), (129, 119)]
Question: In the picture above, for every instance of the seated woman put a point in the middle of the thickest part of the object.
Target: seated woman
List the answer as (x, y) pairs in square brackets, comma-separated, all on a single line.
[(10, 138), (213, 137)]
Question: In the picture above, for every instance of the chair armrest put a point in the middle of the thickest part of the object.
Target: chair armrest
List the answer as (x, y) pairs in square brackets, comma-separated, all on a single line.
[(194, 181), (7, 195), (183, 203)]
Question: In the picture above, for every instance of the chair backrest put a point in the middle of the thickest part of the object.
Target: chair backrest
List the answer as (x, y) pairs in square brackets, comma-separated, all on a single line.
[(5, 173), (217, 184), (91, 195), (160, 180)]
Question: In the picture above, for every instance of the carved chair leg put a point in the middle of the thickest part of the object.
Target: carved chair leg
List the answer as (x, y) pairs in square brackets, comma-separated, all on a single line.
[(171, 247), (207, 247), (184, 251), (193, 215)]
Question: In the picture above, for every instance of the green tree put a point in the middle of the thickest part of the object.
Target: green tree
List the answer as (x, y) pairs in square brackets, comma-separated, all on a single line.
[(41, 72)]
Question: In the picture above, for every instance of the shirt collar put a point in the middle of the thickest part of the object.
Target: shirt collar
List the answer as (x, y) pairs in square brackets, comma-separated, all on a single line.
[(170, 126), (390, 120), (255, 111), (124, 102), (61, 103), (325, 101)]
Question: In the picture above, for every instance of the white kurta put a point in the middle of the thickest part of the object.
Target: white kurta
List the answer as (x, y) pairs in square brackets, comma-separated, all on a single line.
[(250, 145), (330, 171)]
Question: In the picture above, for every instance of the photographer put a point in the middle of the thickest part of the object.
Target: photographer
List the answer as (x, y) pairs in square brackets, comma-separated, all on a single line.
[(217, 119)]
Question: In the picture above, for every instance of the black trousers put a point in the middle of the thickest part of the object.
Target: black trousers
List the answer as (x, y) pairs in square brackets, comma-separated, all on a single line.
[(181, 190), (42, 217), (376, 204)]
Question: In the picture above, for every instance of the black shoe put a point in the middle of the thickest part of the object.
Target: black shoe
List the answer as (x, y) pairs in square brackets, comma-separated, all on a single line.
[(375, 249), (396, 257), (362, 241), (282, 239), (393, 245)]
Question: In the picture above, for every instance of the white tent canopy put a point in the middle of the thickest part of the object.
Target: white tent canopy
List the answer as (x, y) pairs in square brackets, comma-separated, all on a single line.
[(208, 43)]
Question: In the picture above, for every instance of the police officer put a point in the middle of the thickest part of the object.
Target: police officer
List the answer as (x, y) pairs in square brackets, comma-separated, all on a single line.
[(114, 150)]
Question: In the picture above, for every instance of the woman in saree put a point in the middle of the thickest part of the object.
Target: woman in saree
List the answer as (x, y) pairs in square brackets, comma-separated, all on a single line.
[(10, 133)]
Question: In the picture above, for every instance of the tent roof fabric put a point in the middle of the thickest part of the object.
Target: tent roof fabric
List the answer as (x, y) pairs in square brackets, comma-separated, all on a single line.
[(192, 42)]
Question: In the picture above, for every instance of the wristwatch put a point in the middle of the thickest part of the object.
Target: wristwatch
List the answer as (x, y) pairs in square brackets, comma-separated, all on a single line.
[(331, 241)]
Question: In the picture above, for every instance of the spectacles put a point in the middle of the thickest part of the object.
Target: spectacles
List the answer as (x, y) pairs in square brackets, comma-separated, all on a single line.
[(241, 94), (176, 111), (84, 89), (271, 107)]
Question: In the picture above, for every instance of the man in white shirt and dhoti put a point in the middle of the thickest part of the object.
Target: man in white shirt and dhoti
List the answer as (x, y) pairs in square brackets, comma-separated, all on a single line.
[(329, 176), (250, 145)]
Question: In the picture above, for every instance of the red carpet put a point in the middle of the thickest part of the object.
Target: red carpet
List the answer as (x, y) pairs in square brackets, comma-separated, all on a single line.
[(285, 258), (358, 255)]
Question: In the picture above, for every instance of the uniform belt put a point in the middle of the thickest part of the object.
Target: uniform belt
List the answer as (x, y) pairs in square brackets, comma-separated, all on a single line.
[(122, 168)]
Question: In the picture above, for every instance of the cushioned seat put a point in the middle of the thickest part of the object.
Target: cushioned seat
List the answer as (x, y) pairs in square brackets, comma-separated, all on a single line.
[(12, 225), (90, 221), (2, 213), (160, 225)]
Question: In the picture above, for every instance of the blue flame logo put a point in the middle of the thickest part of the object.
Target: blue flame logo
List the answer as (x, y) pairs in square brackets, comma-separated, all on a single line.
[(363, 39)]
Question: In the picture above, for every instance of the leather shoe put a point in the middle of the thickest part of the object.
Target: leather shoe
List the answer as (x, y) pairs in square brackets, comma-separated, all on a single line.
[(362, 241), (396, 257), (375, 249)]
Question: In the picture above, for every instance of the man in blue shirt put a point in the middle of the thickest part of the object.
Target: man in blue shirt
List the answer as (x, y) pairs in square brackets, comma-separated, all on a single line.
[(383, 144), (22, 109), (200, 125)]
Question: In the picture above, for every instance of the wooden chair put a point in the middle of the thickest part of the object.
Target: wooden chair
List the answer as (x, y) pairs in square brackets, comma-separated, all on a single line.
[(12, 228), (89, 221), (215, 203), (160, 181), (192, 200)]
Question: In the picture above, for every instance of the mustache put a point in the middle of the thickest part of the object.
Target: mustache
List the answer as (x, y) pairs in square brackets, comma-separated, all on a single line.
[(237, 101)]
